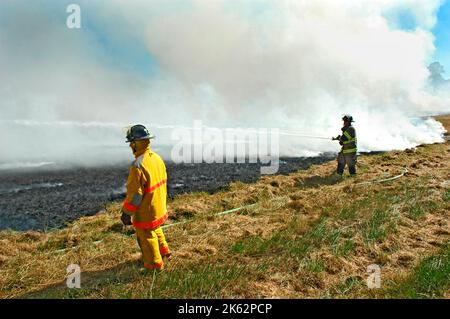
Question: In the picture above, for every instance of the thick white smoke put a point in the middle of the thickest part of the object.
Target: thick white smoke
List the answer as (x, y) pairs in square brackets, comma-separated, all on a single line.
[(288, 64)]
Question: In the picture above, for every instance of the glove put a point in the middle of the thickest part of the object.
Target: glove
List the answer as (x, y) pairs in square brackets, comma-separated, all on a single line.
[(126, 219)]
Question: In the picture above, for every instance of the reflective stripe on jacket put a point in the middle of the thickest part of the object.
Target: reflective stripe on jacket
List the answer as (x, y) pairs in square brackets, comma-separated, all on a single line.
[(348, 140), (147, 191)]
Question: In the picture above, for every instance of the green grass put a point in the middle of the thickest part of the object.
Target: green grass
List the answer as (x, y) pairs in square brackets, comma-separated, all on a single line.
[(348, 213), (344, 248), (421, 209), (206, 281), (314, 265), (377, 227), (199, 281), (297, 245), (255, 245), (446, 196), (430, 279), (347, 286), (416, 212), (378, 221)]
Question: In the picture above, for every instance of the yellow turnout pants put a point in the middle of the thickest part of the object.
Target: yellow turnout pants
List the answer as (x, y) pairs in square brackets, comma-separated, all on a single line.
[(153, 246)]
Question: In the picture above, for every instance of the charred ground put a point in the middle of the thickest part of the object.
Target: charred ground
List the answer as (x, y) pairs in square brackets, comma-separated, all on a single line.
[(51, 198)]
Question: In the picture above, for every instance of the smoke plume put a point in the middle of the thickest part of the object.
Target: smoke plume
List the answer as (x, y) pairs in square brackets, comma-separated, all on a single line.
[(66, 94)]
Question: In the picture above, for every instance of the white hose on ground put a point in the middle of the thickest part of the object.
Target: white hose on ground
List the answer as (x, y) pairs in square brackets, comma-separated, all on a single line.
[(405, 171)]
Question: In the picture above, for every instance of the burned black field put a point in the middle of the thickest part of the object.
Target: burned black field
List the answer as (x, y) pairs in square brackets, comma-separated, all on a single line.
[(51, 197)]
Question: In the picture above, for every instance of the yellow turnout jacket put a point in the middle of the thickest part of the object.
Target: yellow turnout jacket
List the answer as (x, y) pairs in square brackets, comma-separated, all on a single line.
[(147, 190)]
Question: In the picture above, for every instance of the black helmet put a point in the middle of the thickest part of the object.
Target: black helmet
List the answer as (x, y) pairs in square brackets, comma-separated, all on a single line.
[(348, 117), (137, 133)]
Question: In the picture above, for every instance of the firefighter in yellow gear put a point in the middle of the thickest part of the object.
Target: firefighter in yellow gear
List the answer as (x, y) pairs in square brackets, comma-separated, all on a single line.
[(145, 204)]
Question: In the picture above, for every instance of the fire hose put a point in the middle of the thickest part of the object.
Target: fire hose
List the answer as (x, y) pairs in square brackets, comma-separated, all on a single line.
[(405, 171)]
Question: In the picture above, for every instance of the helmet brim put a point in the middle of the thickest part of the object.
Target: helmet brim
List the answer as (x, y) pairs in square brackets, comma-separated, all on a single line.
[(347, 119), (150, 137)]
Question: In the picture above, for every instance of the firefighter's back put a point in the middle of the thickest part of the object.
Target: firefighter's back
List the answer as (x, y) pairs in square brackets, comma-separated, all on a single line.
[(153, 209)]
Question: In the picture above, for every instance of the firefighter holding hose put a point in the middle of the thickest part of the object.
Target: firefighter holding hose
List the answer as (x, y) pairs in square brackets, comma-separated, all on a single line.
[(347, 155), (145, 203)]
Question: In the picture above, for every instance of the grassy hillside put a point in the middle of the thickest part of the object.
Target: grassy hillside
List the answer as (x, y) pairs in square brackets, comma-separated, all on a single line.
[(309, 235)]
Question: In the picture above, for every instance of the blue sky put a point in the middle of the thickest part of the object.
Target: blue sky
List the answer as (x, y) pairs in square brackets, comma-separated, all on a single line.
[(442, 33), (405, 20)]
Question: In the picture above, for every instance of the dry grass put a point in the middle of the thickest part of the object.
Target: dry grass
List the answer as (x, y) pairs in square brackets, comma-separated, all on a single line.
[(309, 235), (445, 120)]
